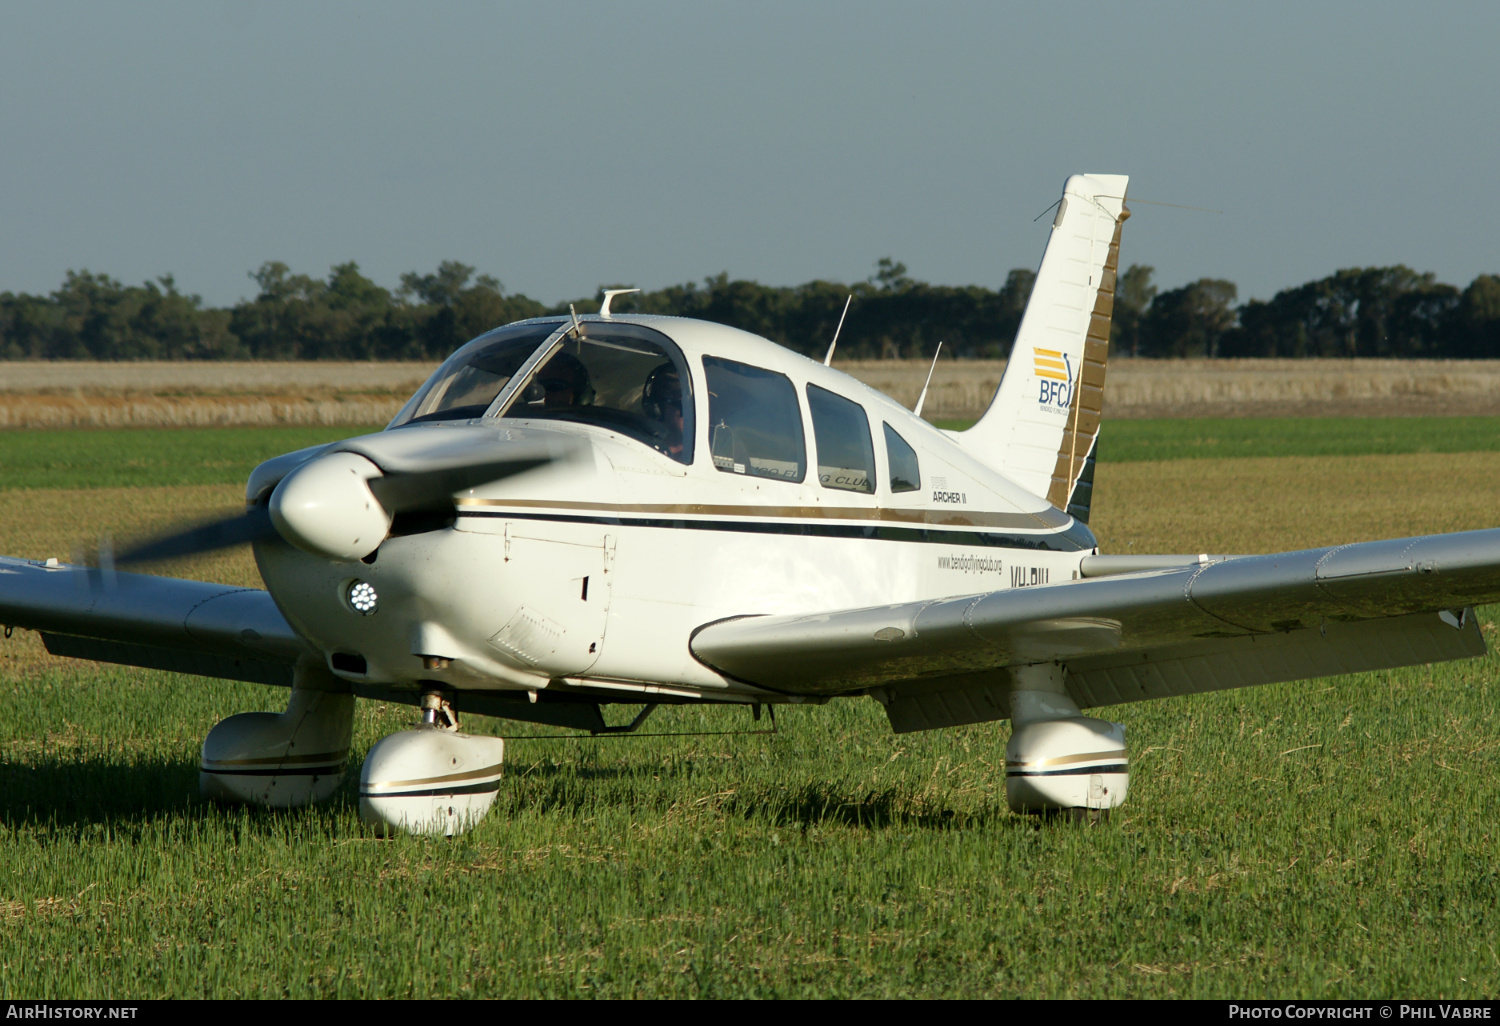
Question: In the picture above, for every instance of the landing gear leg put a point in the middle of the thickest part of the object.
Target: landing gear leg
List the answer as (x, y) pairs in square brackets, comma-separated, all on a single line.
[(437, 713), (1060, 762), (283, 760)]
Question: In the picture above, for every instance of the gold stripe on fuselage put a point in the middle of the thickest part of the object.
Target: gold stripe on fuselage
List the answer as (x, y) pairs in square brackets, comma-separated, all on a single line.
[(1048, 519)]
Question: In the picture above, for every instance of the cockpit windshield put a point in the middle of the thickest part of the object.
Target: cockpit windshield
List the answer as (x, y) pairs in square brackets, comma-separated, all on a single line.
[(622, 377), (469, 380)]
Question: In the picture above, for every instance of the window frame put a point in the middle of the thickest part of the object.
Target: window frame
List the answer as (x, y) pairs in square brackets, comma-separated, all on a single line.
[(886, 432), (874, 468), (672, 351), (404, 416), (542, 355), (803, 424)]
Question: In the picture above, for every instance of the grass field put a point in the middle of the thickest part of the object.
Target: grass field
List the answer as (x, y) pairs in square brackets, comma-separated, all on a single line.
[(149, 457), (39, 395), (203, 456), (1331, 838)]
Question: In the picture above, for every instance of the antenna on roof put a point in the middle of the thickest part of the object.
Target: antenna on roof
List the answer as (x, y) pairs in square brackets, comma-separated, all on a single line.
[(923, 397), (577, 328), (828, 360), (609, 295)]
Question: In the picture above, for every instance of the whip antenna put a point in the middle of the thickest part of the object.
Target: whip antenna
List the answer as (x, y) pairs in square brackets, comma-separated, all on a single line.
[(828, 360), (923, 397)]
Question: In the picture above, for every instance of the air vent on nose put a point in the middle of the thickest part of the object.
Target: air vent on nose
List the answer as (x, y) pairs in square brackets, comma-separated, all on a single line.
[(348, 662)]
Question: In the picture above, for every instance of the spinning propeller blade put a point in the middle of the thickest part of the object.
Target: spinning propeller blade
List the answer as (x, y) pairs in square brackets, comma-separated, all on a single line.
[(405, 491), (236, 529)]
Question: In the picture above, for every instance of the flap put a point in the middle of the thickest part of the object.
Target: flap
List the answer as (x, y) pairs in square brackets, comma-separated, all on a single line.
[(1075, 621)]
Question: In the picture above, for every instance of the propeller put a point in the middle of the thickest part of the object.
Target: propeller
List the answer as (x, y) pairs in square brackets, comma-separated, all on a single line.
[(419, 491), (340, 503), (237, 529)]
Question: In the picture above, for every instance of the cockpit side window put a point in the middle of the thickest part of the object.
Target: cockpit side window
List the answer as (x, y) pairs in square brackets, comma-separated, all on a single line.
[(906, 475), (846, 459), (469, 380), (754, 423), (623, 377)]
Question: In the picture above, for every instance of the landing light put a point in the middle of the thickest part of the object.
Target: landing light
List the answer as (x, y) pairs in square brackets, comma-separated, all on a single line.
[(362, 598)]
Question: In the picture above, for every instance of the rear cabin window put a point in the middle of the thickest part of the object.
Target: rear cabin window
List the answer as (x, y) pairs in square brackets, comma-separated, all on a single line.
[(906, 476), (623, 377), (754, 423), (846, 459)]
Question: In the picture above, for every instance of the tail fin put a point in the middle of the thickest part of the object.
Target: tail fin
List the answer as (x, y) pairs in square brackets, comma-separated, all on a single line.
[(1042, 428)]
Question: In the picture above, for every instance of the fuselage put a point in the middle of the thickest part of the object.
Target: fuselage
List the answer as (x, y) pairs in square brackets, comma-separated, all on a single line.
[(593, 572)]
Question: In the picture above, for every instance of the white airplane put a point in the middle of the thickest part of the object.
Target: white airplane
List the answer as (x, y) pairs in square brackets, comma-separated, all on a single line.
[(577, 512)]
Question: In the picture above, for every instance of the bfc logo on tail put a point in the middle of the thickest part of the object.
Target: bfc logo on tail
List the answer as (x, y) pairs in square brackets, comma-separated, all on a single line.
[(1054, 372)]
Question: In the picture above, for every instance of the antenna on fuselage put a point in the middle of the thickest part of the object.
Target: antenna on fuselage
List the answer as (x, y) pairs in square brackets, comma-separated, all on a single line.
[(923, 397), (609, 295), (828, 360), (577, 328)]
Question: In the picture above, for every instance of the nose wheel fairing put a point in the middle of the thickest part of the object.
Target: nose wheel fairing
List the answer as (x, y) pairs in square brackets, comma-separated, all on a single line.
[(429, 780), (432, 779)]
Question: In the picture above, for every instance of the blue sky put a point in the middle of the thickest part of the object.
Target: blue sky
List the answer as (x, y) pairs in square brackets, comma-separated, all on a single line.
[(567, 145)]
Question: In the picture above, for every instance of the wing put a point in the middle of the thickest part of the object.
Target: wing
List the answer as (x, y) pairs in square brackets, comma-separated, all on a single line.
[(212, 630), (1128, 637)]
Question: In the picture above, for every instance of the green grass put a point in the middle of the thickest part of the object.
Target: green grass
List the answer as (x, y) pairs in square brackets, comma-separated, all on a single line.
[(85, 458), (832, 860), (149, 457), (1134, 441)]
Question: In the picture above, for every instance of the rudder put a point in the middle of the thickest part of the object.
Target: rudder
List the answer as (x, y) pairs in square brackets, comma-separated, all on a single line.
[(1042, 428)]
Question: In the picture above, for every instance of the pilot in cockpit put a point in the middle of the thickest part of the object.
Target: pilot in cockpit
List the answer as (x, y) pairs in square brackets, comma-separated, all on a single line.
[(661, 399), (564, 382)]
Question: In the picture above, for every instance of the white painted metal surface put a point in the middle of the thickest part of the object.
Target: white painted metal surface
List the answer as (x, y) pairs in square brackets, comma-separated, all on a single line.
[(325, 507), (281, 760)]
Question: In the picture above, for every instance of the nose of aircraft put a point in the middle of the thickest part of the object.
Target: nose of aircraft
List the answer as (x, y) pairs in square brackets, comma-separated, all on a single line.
[(340, 504), (325, 507)]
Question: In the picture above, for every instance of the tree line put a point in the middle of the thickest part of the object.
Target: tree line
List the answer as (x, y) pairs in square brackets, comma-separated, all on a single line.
[(1377, 311)]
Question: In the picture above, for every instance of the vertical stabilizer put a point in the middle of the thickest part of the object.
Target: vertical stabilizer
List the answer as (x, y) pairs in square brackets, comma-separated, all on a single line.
[(1042, 428)]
